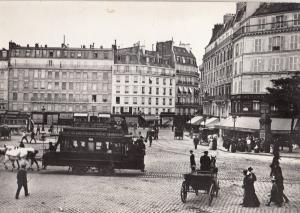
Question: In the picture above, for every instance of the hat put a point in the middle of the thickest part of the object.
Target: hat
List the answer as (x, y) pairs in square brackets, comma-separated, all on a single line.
[(206, 152), (245, 171), (250, 169), (191, 151)]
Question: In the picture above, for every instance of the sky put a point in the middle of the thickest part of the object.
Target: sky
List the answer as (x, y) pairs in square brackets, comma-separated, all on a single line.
[(84, 23)]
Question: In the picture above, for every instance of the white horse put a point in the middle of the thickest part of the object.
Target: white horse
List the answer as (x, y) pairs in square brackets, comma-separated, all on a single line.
[(15, 154)]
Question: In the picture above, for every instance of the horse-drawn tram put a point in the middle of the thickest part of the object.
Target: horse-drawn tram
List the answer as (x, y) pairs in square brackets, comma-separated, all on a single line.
[(104, 148), (205, 181)]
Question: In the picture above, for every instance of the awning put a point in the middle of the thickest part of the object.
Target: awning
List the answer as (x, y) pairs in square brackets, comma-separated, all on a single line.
[(180, 89), (251, 124), (101, 115), (210, 122), (66, 116), (80, 114), (151, 118), (195, 120)]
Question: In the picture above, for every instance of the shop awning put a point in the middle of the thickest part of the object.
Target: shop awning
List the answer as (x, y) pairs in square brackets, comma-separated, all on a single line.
[(195, 120), (251, 124), (80, 114), (151, 118), (102, 115), (210, 122)]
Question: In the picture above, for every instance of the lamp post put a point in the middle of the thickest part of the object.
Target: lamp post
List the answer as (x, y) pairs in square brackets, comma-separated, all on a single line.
[(43, 111), (234, 117), (292, 111)]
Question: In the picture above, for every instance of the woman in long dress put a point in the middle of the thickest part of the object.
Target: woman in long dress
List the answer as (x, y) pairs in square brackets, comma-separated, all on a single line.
[(250, 198)]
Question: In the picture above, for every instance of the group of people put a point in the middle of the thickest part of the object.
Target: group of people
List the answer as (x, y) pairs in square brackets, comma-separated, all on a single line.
[(205, 162), (277, 195), (152, 134)]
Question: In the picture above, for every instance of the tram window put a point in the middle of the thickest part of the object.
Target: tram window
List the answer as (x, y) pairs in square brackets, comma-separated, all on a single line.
[(98, 145)]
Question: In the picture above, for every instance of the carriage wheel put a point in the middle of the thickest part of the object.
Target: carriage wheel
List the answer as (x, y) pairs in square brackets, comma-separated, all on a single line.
[(183, 192), (217, 189), (211, 193)]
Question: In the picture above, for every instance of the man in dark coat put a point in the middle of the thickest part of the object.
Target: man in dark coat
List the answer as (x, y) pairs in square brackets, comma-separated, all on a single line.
[(192, 161), (32, 137), (22, 181), (196, 141), (205, 162)]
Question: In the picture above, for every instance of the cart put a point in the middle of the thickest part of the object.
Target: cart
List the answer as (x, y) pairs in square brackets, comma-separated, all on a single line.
[(205, 181), (178, 134)]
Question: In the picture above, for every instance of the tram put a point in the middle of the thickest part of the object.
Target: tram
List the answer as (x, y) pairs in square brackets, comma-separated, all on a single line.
[(102, 147)]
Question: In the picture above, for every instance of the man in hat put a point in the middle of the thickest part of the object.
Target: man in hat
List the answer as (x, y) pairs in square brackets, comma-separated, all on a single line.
[(192, 161), (205, 162), (22, 181)]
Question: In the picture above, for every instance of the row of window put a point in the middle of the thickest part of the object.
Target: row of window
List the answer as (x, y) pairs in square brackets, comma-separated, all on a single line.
[(256, 87), (78, 86), (50, 74), (143, 80), (59, 97), (59, 107), (143, 90), (143, 70), (143, 101), (218, 58), (147, 111), (220, 74)]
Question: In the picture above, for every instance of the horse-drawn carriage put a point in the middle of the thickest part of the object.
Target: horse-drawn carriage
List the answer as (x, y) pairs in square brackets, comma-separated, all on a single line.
[(5, 132), (206, 181), (178, 133)]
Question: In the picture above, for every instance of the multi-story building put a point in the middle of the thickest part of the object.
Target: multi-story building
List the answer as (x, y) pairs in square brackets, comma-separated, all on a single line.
[(187, 76), (217, 69), (60, 80), (142, 83), (3, 79), (266, 47)]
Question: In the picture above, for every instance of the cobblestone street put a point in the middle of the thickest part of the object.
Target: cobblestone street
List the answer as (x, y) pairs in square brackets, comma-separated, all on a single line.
[(157, 190)]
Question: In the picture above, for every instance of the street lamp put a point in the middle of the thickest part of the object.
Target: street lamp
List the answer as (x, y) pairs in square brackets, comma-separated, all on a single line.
[(43, 110), (234, 117), (292, 111)]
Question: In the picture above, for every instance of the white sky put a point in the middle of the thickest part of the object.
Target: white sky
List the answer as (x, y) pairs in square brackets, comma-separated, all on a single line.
[(103, 22)]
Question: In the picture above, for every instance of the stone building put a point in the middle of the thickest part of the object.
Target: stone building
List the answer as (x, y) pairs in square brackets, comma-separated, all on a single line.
[(59, 81), (142, 83), (3, 79)]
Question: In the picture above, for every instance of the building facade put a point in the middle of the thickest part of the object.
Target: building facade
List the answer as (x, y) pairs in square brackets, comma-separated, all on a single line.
[(266, 47), (187, 76), (217, 69), (59, 80), (3, 79), (142, 84)]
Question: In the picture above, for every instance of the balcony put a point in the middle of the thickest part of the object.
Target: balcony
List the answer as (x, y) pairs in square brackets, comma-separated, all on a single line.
[(282, 26)]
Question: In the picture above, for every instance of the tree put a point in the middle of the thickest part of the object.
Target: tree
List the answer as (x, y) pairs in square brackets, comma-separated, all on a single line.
[(285, 95)]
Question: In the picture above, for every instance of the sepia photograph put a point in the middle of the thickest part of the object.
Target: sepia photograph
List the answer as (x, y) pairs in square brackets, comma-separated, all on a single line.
[(149, 106)]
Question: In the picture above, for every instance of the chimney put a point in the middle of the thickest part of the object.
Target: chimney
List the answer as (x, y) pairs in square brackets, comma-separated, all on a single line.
[(227, 17), (216, 28), (83, 46), (46, 46), (101, 47), (27, 45), (36, 45)]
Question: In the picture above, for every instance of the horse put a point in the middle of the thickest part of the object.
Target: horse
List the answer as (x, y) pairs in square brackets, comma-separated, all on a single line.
[(213, 167), (12, 153)]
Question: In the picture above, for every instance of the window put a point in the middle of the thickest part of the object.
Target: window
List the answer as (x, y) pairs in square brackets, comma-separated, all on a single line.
[(126, 89), (64, 97), (49, 85), (15, 96), (143, 79), (71, 86), (294, 42), (56, 85), (25, 97), (235, 68), (164, 91), (150, 81), (104, 98), (64, 75), (156, 101), (118, 89), (170, 101), (150, 90), (157, 91), (261, 23), (297, 19), (35, 84), (134, 100), (50, 63), (135, 89), (143, 90), (256, 86), (157, 80), (94, 98), (126, 100), (293, 63), (258, 45), (78, 75), (26, 74), (256, 106), (117, 100), (95, 55), (170, 91), (64, 85), (26, 84), (71, 97), (164, 81), (164, 101), (275, 64), (85, 75), (118, 78), (276, 43), (126, 79), (149, 101), (84, 86), (279, 21), (49, 74), (258, 65), (36, 74), (94, 86), (126, 67), (135, 79), (237, 50), (105, 76), (143, 100), (171, 82), (56, 75)]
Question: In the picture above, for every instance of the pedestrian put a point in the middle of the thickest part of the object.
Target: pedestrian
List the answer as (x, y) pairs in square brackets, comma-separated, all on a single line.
[(38, 131), (205, 162), (51, 147), (32, 157), (22, 145), (196, 141), (274, 194), (275, 147), (150, 140), (192, 161), (248, 140), (24, 137), (276, 172), (32, 137), (22, 181), (250, 198)]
